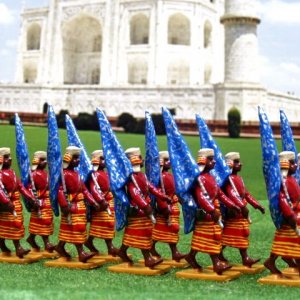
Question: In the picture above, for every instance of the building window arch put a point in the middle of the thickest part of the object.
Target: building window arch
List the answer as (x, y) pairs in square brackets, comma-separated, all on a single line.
[(179, 30), (34, 37), (82, 49), (139, 29), (207, 34), (138, 71), (30, 74), (207, 74), (178, 73)]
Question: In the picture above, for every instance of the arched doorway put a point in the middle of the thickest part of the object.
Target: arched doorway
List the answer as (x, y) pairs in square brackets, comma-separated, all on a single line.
[(82, 47)]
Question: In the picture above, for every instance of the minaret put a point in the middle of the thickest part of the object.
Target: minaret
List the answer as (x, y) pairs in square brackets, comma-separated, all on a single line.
[(241, 47)]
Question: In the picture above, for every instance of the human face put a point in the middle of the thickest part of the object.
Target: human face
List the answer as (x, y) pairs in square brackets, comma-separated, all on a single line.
[(42, 164), (237, 165), (210, 163), (75, 161), (166, 164), (6, 161), (102, 162), (293, 167), (142, 161)]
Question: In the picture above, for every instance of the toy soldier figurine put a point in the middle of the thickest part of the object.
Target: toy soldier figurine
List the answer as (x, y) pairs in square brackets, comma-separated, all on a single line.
[(71, 197), (138, 232), (103, 221), (41, 221), (286, 240), (11, 219), (166, 229), (207, 234), (236, 226)]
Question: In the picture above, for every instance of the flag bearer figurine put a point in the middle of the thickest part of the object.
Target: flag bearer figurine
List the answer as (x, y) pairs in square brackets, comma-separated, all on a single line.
[(11, 219), (166, 229), (41, 221), (236, 225), (103, 221), (207, 235), (71, 196), (286, 240), (138, 232)]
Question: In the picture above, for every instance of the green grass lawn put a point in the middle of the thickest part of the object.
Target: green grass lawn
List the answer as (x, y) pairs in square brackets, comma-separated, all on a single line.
[(38, 282)]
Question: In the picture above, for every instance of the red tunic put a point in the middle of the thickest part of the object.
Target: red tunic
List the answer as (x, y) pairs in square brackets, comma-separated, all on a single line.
[(162, 231), (138, 232), (75, 232), (286, 242), (236, 227), (207, 235), (42, 223), (102, 225), (11, 227)]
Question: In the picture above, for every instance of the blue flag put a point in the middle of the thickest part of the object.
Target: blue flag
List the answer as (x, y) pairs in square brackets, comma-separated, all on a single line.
[(22, 155), (54, 158), (152, 154), (221, 171), (271, 167), (85, 167), (118, 167), (185, 169), (287, 139)]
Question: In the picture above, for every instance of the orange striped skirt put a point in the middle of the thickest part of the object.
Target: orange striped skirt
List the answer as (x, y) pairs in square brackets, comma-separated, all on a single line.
[(102, 225), (76, 231), (162, 232), (286, 242), (12, 228), (138, 233), (207, 237), (42, 225), (236, 233)]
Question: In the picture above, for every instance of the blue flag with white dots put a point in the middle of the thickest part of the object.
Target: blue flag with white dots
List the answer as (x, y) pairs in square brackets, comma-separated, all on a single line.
[(271, 166), (118, 167), (185, 170)]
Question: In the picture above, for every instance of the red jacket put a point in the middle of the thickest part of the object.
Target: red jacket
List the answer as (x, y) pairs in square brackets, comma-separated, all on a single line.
[(215, 195), (169, 188), (290, 208), (12, 184), (75, 187), (102, 179), (140, 197)]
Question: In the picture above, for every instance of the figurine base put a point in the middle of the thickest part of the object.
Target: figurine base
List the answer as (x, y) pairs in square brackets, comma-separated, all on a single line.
[(290, 272), (255, 269), (206, 274), (171, 263), (275, 279), (12, 258), (107, 258), (139, 269), (73, 263), (44, 253)]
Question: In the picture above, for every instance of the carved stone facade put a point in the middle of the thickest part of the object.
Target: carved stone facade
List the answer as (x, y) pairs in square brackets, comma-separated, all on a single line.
[(196, 56)]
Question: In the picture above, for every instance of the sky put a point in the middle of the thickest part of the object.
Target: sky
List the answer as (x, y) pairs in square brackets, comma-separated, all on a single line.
[(278, 38)]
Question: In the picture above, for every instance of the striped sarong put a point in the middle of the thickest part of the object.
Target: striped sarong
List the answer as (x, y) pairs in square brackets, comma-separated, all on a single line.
[(42, 225), (236, 233), (76, 231), (207, 237), (162, 232), (138, 233), (286, 242), (12, 228), (102, 225)]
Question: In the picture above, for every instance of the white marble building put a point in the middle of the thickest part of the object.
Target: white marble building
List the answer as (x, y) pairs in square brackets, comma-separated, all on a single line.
[(196, 56)]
